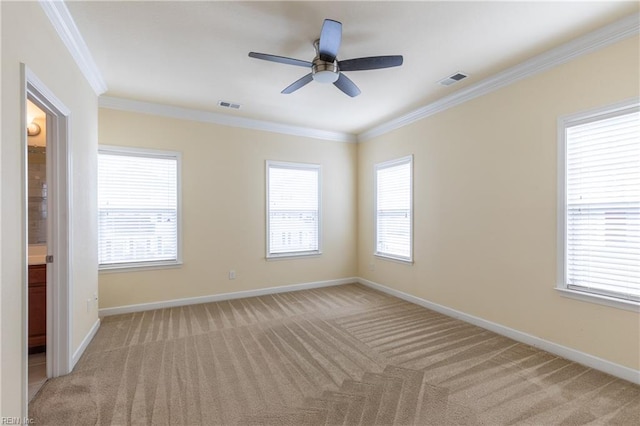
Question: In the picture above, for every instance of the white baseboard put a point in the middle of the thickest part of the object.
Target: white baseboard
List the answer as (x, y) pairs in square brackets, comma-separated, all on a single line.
[(85, 342), (591, 361), (220, 297)]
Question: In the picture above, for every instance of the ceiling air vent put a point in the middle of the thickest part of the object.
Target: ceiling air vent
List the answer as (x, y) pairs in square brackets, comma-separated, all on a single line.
[(226, 104), (452, 79)]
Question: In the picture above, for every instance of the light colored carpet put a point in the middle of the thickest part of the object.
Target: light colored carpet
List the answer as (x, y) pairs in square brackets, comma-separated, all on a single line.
[(339, 355)]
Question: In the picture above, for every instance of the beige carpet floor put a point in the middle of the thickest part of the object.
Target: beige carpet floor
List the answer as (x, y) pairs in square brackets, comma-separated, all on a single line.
[(339, 355)]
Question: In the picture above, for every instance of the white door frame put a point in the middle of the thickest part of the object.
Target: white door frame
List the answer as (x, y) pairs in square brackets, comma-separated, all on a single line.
[(59, 315)]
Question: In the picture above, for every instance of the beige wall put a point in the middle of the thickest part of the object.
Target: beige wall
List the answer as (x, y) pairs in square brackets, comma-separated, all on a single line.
[(485, 206), (28, 37), (485, 202), (223, 207)]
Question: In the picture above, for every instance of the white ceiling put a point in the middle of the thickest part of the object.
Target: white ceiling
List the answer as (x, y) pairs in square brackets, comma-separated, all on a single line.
[(194, 54)]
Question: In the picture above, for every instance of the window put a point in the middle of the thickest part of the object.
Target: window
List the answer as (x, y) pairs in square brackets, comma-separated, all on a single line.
[(394, 209), (138, 208), (293, 209), (599, 206)]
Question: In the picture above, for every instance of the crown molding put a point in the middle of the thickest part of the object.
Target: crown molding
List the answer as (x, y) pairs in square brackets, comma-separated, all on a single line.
[(223, 119), (588, 43), (66, 28), (62, 21)]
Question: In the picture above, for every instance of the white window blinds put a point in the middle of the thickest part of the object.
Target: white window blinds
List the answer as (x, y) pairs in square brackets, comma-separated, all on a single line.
[(603, 205), (394, 209), (293, 209), (137, 207)]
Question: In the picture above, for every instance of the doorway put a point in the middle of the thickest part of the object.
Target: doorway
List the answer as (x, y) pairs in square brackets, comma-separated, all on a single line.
[(46, 307), (37, 214)]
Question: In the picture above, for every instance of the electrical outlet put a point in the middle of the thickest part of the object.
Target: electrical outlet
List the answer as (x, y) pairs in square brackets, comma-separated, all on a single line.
[(232, 274), (88, 305), (372, 266)]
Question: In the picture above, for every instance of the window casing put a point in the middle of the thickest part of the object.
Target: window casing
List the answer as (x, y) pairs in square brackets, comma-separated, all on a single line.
[(293, 209), (138, 208), (394, 209), (599, 205)]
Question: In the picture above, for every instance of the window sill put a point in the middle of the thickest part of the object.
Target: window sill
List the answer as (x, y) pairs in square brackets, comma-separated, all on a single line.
[(131, 267), (289, 256), (394, 259), (613, 302)]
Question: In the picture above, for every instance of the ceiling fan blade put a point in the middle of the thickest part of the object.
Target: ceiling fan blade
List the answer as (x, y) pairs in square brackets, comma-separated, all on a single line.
[(330, 39), (347, 86), (370, 63), (298, 84), (280, 59)]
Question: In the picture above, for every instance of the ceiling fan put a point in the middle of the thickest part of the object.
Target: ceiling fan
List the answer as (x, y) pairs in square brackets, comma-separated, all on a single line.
[(325, 67)]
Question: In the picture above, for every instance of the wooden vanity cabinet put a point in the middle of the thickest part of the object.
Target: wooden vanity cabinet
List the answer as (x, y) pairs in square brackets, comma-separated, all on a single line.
[(37, 308)]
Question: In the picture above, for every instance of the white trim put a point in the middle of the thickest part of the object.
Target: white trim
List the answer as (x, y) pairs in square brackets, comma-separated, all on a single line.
[(138, 152), (62, 21), (66, 28), (400, 260), (294, 166), (85, 342), (60, 287), (224, 296), (561, 194), (612, 302), (289, 256), (44, 91), (24, 247), (136, 267), (58, 298), (592, 114), (591, 361), (588, 43), (180, 113)]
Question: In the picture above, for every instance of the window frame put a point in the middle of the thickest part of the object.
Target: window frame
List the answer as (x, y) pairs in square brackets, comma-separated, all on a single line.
[(294, 166), (383, 165), (149, 153), (565, 122)]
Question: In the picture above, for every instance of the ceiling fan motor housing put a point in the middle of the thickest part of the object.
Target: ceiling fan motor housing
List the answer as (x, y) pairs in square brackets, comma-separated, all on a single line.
[(325, 72)]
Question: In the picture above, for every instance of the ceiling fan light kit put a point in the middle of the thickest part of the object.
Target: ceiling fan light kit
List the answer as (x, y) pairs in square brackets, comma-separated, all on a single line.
[(325, 67)]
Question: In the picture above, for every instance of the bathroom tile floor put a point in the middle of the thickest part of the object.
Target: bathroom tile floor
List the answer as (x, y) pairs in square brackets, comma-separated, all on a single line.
[(37, 373)]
